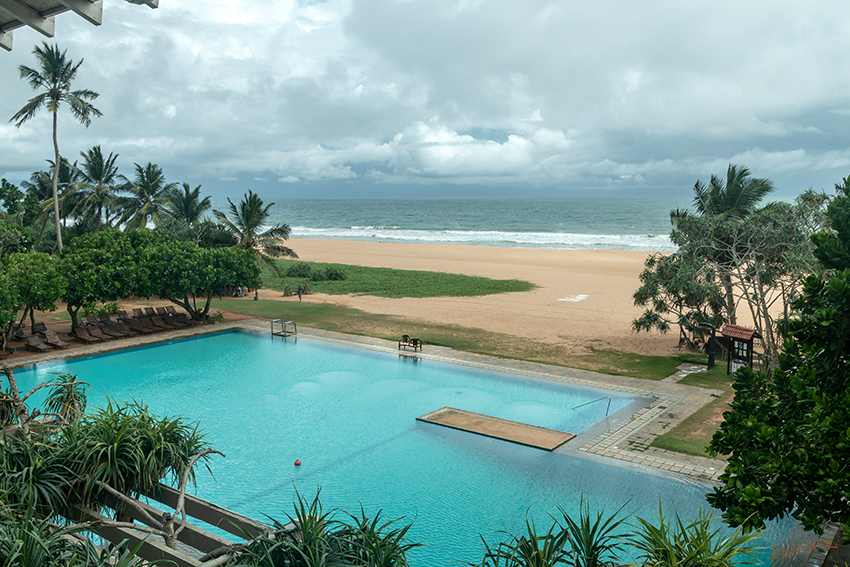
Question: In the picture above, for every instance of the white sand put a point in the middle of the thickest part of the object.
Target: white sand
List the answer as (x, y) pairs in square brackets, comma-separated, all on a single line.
[(584, 298)]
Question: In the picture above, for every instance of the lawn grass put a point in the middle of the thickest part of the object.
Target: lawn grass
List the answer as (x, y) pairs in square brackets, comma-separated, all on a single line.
[(693, 435), (386, 282), (356, 322)]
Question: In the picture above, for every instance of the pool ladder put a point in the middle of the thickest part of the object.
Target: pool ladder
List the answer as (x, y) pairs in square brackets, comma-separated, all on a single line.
[(594, 401)]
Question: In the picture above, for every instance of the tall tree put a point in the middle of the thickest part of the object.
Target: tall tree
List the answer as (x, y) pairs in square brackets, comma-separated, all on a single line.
[(245, 224), (148, 197), (96, 193), (186, 204), (186, 274), (69, 184), (54, 76), (787, 433), (40, 189), (735, 198), (732, 199)]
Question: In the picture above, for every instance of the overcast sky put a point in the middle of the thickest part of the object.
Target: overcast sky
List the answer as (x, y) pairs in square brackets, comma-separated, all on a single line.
[(438, 97)]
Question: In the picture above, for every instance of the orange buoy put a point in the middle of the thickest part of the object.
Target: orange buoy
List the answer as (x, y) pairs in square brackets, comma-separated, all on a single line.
[(297, 463)]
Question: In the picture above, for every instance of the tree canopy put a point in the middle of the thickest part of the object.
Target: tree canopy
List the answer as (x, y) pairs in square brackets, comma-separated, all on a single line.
[(787, 433), (246, 223), (182, 272)]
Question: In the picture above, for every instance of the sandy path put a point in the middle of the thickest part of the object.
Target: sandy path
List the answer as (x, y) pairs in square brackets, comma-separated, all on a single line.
[(601, 320)]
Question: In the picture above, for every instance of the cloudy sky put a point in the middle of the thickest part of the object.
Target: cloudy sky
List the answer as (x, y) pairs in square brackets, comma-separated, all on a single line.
[(443, 97)]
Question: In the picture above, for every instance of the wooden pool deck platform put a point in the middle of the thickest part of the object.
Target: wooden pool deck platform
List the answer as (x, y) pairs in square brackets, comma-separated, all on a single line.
[(504, 429)]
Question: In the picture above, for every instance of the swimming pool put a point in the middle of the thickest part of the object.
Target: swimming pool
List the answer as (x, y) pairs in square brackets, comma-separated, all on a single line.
[(349, 416)]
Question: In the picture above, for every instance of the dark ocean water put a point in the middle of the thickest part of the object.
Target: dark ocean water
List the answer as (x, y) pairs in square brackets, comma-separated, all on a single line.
[(618, 223)]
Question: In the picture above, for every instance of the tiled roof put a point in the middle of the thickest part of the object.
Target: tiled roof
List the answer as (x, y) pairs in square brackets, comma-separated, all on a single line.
[(738, 332)]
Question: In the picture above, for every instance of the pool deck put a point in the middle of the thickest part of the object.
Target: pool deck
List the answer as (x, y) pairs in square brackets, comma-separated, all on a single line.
[(624, 436)]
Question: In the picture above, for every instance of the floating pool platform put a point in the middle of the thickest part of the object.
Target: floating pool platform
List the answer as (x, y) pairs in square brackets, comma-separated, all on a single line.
[(498, 428)]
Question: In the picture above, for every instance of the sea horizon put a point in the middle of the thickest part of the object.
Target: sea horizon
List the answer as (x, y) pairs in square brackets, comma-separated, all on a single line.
[(599, 222)]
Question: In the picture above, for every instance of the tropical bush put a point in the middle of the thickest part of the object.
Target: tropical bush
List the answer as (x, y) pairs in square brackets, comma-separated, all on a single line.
[(129, 448), (314, 537), (299, 270), (27, 541)]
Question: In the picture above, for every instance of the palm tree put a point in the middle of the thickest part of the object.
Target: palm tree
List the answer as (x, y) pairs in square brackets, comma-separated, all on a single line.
[(40, 186), (733, 200), (68, 184), (248, 218), (148, 197), (54, 76), (96, 191), (187, 205)]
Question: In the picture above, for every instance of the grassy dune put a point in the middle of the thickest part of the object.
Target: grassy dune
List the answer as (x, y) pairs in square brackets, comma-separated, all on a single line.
[(386, 282)]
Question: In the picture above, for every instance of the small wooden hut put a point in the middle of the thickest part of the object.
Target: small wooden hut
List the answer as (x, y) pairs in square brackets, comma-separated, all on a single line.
[(741, 341)]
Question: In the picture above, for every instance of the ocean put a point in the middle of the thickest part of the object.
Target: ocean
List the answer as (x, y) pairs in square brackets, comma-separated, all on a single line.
[(613, 223)]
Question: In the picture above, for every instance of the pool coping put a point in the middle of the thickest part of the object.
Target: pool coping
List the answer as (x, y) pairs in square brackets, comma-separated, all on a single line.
[(624, 436)]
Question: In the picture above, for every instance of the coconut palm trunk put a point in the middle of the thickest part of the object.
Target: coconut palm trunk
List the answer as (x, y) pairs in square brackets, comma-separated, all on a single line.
[(56, 180)]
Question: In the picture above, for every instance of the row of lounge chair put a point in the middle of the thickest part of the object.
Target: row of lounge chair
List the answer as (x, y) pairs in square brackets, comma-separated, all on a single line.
[(100, 328)]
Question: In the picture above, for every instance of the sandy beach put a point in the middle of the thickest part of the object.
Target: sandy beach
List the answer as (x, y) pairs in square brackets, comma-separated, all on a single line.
[(583, 299)]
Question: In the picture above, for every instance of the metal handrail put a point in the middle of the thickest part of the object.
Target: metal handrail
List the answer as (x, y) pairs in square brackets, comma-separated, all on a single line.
[(594, 401)]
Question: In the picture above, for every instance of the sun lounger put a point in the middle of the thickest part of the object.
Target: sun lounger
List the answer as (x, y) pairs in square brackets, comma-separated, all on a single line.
[(162, 311), (150, 312), (104, 318), (53, 339), (34, 343), (94, 331), (122, 316), (84, 336), (137, 326), (21, 335), (158, 322), (40, 328), (181, 317), (122, 328), (137, 313), (91, 319), (108, 331), (146, 323)]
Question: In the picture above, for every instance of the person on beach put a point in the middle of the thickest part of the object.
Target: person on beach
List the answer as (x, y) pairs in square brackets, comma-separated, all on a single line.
[(300, 293)]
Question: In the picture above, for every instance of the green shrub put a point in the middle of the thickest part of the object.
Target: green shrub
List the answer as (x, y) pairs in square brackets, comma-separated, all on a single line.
[(111, 308), (299, 270), (88, 308), (329, 274)]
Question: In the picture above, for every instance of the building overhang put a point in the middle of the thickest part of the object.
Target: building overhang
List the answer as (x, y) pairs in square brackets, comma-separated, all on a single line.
[(40, 15)]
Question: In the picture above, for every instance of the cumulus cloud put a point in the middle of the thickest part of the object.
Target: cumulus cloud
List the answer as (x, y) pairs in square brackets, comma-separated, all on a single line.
[(564, 94)]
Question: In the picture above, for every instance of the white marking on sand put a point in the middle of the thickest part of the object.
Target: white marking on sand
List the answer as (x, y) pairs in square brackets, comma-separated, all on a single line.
[(574, 298)]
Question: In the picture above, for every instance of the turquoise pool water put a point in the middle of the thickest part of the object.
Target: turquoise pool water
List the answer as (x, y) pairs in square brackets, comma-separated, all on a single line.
[(349, 416)]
